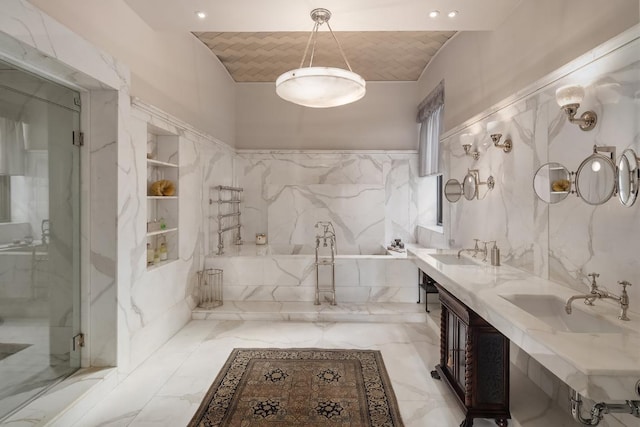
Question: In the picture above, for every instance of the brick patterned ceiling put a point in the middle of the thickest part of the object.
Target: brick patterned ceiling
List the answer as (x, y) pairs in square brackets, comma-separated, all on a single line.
[(375, 55)]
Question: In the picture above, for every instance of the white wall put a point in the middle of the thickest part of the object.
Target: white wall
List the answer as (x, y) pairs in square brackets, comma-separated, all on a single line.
[(383, 119), (481, 68), (173, 71)]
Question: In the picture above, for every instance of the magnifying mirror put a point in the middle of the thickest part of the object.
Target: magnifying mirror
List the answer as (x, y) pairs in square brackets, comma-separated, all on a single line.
[(469, 187), (596, 179), (552, 182), (628, 176), (452, 190)]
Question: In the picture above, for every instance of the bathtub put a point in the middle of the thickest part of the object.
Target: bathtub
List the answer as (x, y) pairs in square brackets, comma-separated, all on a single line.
[(287, 273)]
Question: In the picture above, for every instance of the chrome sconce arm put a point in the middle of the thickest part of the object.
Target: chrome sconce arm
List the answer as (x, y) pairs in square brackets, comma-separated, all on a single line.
[(468, 152), (494, 129), (506, 146), (467, 141), (569, 99)]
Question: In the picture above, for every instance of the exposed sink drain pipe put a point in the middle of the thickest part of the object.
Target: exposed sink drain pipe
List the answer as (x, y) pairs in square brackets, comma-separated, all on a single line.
[(599, 409)]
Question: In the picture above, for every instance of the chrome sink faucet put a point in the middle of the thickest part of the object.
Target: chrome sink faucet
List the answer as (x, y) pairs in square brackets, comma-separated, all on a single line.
[(476, 250), (597, 293)]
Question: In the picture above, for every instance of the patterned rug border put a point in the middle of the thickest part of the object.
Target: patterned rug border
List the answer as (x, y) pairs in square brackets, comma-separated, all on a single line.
[(293, 354)]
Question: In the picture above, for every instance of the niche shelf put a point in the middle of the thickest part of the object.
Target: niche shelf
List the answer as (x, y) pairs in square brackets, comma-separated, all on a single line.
[(162, 163)]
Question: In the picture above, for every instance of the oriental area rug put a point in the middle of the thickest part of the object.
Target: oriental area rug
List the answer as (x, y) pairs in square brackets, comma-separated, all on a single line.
[(300, 387)]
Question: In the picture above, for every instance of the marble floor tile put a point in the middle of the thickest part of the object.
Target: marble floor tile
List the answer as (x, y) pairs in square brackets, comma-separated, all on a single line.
[(168, 387)]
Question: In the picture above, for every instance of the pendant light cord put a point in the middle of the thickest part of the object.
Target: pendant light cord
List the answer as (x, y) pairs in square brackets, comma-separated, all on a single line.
[(339, 47), (314, 37)]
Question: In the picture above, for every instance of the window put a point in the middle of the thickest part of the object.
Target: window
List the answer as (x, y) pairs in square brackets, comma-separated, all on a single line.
[(439, 201), (430, 114), (5, 198)]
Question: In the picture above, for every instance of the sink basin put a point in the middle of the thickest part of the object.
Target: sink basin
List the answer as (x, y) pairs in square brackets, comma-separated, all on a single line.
[(550, 310), (452, 259)]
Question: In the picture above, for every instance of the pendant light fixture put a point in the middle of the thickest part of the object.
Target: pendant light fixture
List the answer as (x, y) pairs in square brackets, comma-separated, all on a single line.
[(320, 87)]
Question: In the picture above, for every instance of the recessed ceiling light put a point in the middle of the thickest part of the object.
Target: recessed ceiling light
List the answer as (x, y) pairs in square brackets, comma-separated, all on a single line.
[(200, 14), (453, 14), (434, 14)]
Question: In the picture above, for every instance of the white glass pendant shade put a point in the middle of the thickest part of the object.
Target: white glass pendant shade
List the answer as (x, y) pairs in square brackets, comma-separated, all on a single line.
[(320, 87), (567, 95)]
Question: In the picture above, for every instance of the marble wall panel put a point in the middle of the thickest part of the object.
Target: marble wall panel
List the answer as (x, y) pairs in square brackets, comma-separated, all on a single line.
[(370, 197), (567, 240), (160, 299)]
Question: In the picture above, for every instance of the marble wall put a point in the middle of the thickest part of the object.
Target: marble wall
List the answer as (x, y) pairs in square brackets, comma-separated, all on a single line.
[(370, 197), (160, 299), (568, 240)]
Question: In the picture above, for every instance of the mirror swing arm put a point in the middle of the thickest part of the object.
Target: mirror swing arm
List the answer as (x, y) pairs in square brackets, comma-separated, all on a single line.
[(490, 183)]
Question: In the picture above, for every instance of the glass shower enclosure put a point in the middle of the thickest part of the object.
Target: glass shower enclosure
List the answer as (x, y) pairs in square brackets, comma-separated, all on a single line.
[(39, 235)]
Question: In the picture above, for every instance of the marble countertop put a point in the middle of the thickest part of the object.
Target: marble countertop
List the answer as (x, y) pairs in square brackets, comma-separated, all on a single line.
[(601, 366)]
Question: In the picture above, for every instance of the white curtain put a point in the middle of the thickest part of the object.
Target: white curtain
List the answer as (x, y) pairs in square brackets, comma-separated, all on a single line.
[(430, 114), (428, 149), (12, 147)]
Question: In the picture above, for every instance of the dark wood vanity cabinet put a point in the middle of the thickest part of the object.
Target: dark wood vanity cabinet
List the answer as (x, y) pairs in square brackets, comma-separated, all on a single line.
[(474, 362)]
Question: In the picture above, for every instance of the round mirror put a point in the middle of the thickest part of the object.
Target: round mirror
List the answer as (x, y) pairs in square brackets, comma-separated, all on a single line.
[(596, 179), (628, 178), (469, 187), (452, 190), (552, 182)]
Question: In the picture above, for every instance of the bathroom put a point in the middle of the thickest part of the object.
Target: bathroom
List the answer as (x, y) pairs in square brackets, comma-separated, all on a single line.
[(130, 311)]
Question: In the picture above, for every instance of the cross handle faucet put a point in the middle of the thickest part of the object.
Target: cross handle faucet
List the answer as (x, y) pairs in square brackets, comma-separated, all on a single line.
[(594, 284), (624, 300)]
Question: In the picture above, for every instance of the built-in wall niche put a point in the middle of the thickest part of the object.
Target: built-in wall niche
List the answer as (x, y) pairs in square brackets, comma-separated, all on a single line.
[(162, 197)]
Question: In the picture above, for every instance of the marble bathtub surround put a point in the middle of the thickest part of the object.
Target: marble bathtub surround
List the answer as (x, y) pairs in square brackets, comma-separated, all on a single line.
[(263, 273), (603, 366)]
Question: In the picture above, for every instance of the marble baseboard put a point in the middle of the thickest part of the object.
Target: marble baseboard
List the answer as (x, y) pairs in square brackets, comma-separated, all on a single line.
[(307, 312)]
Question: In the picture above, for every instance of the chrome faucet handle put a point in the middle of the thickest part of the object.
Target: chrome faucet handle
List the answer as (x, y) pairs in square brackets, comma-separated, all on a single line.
[(484, 259), (624, 300), (594, 285), (476, 247), (624, 285)]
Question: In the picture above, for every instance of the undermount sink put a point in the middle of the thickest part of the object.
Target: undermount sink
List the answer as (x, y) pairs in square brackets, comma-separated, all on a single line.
[(550, 310), (452, 259)]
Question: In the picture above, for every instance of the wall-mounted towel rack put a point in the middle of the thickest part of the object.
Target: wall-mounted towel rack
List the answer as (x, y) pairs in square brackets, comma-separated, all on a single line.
[(228, 216)]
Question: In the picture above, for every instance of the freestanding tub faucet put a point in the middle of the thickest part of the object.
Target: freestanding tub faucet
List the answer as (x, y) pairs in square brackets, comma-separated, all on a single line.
[(328, 238)]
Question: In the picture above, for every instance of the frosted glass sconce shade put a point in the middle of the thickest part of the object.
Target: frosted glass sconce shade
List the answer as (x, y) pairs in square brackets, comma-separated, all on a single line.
[(569, 99), (572, 94)]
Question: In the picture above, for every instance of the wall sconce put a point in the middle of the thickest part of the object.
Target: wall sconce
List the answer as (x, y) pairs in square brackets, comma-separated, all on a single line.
[(569, 99), (493, 129), (467, 140)]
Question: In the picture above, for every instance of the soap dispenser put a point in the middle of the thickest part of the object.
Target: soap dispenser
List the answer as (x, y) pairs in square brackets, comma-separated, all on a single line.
[(495, 255)]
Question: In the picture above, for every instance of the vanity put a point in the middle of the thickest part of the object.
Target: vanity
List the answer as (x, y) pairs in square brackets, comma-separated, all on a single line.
[(591, 350), (474, 362)]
